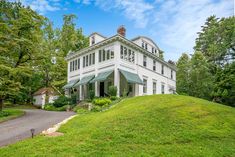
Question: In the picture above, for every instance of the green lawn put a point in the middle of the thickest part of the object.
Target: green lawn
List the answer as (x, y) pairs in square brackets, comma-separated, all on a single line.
[(8, 114), (160, 125)]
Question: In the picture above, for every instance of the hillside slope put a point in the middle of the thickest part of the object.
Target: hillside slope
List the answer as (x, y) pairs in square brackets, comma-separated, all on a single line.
[(159, 125)]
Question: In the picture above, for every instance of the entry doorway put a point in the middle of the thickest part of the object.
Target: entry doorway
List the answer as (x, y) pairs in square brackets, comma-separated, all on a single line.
[(101, 89)]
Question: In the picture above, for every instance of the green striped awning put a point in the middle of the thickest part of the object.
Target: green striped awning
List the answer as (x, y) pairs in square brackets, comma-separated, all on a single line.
[(102, 76), (85, 80), (70, 84), (131, 77)]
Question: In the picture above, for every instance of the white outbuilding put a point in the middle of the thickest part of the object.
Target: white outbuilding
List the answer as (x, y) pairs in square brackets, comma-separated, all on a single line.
[(44, 95)]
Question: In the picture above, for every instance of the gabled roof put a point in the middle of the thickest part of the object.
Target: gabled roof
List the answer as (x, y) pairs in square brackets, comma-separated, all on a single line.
[(48, 90), (97, 34), (138, 37)]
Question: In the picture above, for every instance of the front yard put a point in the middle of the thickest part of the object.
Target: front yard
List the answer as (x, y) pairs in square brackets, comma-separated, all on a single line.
[(8, 114)]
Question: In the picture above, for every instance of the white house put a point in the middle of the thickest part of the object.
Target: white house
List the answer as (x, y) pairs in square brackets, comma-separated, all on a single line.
[(43, 96), (132, 66)]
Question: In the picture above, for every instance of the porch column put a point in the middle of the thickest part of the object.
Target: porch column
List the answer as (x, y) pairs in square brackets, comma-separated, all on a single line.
[(117, 81), (96, 89), (80, 92)]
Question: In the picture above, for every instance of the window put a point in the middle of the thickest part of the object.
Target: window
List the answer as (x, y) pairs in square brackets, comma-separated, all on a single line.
[(152, 49), (127, 54), (93, 60), (144, 86), (90, 59), (145, 61), (71, 66), (103, 59), (122, 52), (100, 56), (162, 69), (163, 88), (154, 87), (133, 57), (112, 54), (92, 40), (76, 64), (108, 54), (84, 61), (171, 74), (142, 44), (154, 65), (146, 46)]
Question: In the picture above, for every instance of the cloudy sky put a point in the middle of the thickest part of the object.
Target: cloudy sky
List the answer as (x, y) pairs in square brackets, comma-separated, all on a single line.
[(172, 24)]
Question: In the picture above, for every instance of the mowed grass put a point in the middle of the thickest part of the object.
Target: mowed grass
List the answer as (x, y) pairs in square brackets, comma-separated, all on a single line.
[(8, 114), (159, 125)]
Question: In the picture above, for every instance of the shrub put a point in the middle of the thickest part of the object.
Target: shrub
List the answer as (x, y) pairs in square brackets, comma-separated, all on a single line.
[(4, 113), (112, 91), (113, 98), (50, 107), (96, 108), (73, 99), (91, 94), (101, 102), (80, 110), (62, 101)]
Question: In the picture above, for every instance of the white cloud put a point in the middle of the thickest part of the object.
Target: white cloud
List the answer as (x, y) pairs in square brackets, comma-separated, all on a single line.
[(135, 10), (179, 21), (41, 6)]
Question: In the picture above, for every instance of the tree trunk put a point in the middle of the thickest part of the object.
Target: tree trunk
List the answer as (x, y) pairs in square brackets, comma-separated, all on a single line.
[(1, 104)]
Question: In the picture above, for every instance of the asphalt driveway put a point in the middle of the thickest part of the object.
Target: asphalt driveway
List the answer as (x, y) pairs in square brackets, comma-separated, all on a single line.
[(19, 128)]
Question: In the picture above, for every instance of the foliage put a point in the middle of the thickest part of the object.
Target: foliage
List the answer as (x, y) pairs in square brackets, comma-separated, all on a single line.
[(157, 125), (91, 94), (51, 107), (101, 102), (182, 75), (8, 114), (112, 91), (62, 101), (113, 98), (80, 110), (209, 73)]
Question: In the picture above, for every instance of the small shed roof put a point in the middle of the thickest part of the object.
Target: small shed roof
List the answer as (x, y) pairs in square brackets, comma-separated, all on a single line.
[(48, 90)]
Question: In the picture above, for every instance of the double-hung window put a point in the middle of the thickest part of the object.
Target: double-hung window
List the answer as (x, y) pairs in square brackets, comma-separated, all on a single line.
[(154, 87), (145, 61), (144, 86), (154, 65), (162, 69), (163, 89)]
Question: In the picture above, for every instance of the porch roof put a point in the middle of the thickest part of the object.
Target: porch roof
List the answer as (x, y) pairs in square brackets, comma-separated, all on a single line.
[(131, 77), (70, 84), (85, 80), (102, 76)]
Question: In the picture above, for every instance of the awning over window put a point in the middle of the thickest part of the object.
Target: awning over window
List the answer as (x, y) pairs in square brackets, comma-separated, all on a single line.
[(70, 84), (85, 80), (102, 76), (131, 77)]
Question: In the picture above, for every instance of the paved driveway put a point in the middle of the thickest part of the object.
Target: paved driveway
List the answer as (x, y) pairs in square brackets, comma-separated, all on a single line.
[(19, 128)]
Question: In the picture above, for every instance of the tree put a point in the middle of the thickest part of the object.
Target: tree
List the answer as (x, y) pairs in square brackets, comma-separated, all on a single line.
[(20, 36), (182, 74), (200, 78)]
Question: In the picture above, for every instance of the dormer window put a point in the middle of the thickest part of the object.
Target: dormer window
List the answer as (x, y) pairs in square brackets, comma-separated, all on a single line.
[(92, 40), (146, 46)]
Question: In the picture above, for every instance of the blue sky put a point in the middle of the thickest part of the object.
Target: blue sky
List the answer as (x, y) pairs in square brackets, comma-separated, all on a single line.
[(172, 24)]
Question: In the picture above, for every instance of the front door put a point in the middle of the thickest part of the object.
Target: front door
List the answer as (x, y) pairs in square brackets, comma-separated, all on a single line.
[(101, 89)]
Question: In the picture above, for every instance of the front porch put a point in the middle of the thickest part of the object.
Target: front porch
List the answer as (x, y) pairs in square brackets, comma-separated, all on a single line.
[(127, 84)]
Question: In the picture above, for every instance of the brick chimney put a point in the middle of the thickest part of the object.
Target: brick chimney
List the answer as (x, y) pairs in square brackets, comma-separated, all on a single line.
[(122, 31)]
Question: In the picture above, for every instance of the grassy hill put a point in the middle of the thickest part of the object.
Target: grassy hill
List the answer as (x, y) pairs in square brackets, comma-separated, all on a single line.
[(159, 125)]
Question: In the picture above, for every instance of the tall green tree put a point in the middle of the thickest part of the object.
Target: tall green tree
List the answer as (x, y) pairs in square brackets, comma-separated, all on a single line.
[(200, 78), (20, 36), (182, 82)]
